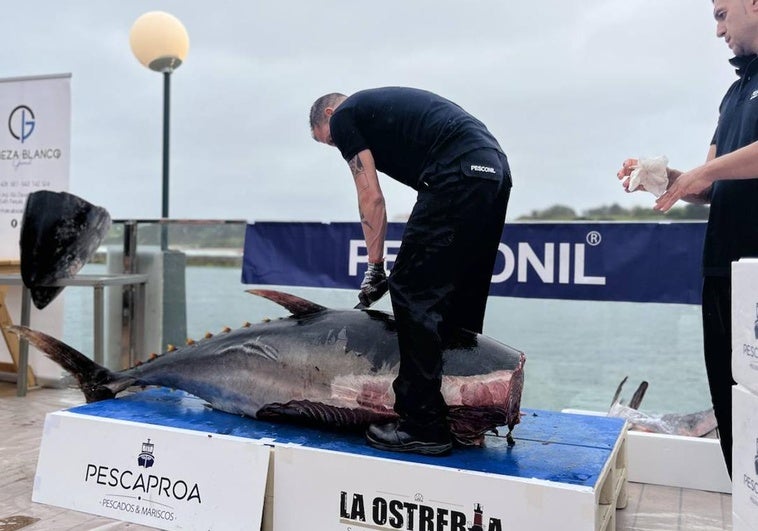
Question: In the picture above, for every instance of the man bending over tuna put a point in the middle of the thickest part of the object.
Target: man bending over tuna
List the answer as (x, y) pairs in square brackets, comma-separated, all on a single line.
[(441, 277)]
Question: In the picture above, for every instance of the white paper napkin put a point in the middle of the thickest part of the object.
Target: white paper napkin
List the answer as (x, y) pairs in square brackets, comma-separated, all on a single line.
[(651, 174)]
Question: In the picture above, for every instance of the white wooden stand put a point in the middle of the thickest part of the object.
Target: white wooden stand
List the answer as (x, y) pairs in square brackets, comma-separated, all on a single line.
[(214, 471)]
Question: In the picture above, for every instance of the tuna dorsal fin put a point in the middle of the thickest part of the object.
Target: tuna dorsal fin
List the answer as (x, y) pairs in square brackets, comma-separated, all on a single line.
[(296, 305)]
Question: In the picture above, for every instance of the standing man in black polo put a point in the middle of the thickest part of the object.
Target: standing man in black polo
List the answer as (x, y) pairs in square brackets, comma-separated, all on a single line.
[(441, 277), (729, 182)]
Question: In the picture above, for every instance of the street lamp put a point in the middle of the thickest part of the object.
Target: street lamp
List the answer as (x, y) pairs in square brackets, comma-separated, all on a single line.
[(160, 42)]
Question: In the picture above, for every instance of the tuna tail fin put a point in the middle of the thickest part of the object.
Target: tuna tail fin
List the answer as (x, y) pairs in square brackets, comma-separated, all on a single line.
[(95, 381)]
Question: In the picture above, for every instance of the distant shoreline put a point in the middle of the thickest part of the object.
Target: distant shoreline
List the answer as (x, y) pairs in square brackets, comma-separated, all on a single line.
[(222, 257)]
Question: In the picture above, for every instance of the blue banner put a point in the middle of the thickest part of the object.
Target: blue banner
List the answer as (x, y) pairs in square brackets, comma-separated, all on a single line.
[(636, 262)]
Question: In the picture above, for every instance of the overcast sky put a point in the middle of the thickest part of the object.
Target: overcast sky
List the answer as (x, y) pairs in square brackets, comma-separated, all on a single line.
[(569, 88)]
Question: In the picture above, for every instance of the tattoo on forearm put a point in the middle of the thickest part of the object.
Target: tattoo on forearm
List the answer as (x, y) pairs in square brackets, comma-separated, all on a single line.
[(361, 182), (356, 166), (364, 219)]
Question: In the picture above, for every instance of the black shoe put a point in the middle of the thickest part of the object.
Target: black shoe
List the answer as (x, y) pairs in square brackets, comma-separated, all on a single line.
[(403, 436)]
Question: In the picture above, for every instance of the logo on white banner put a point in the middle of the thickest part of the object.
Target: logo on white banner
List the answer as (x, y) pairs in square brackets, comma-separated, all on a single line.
[(381, 512), (145, 458), (147, 494), (21, 123)]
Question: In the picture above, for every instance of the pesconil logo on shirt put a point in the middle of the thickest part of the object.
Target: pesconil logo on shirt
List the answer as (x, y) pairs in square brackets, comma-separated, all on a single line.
[(754, 95), (483, 169)]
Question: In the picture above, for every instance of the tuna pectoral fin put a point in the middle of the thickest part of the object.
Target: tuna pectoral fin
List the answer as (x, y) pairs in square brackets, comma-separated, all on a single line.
[(318, 414), (95, 381)]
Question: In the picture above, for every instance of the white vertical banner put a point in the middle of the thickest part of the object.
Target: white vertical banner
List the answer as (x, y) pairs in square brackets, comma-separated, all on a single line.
[(35, 145)]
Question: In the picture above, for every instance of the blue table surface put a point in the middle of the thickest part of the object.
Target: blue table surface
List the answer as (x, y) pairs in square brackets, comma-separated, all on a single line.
[(561, 447)]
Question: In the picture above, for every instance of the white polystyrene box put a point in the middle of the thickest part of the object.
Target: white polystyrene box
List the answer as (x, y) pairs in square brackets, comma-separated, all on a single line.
[(738, 524), (745, 323), (745, 455)]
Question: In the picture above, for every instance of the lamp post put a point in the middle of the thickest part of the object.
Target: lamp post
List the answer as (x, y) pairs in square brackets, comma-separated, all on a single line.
[(160, 42)]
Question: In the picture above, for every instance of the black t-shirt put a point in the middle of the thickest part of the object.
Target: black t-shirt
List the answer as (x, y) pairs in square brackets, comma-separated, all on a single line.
[(732, 231), (407, 130)]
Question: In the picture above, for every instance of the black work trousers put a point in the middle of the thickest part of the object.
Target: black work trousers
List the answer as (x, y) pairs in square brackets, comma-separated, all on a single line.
[(717, 343), (441, 277)]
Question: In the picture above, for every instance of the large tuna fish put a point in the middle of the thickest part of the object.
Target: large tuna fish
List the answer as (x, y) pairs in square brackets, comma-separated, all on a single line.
[(318, 366)]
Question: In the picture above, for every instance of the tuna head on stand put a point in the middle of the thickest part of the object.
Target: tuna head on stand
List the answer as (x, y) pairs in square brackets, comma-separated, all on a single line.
[(60, 232)]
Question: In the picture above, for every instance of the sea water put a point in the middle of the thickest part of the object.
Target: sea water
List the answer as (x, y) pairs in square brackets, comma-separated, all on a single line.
[(577, 352)]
